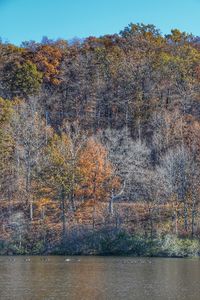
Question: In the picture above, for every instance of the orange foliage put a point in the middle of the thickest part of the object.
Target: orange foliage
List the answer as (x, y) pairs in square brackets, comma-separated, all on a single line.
[(97, 172), (48, 59)]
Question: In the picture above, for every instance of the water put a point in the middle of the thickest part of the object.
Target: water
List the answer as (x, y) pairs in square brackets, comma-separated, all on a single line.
[(91, 278)]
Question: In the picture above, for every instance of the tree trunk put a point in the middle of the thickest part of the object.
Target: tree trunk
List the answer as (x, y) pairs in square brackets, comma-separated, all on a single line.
[(63, 217), (193, 216), (111, 206), (185, 216), (31, 210)]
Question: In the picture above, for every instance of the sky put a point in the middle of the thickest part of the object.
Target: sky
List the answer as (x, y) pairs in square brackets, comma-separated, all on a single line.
[(22, 20)]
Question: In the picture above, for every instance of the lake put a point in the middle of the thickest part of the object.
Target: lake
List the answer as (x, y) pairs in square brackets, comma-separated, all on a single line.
[(109, 278)]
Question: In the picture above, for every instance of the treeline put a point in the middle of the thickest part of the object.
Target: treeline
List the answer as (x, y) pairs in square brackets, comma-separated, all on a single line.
[(99, 143)]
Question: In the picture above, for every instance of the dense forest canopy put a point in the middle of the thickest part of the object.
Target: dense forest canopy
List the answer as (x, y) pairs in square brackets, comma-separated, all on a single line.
[(100, 142)]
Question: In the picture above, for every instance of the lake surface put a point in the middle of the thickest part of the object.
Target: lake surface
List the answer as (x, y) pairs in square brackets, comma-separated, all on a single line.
[(109, 278)]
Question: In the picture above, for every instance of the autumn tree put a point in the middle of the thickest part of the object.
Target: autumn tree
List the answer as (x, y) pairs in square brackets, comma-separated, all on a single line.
[(98, 175), (48, 59), (60, 174)]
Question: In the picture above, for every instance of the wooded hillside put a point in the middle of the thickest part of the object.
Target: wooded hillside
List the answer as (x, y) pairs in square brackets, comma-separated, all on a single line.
[(100, 144)]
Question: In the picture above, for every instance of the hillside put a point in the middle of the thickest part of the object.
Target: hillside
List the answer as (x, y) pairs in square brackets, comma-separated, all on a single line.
[(100, 145)]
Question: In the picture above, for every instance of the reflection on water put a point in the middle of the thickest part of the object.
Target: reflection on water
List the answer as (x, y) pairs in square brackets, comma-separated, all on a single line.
[(85, 278)]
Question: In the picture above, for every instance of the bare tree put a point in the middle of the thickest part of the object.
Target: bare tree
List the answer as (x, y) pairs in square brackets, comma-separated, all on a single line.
[(29, 131)]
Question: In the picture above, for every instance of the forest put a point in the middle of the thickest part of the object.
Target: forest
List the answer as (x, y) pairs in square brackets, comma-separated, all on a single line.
[(100, 145)]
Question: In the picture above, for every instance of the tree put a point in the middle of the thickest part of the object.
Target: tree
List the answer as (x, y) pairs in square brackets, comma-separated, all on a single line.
[(7, 167), (48, 58), (60, 174), (98, 177), (30, 134), (130, 159), (22, 79), (181, 179)]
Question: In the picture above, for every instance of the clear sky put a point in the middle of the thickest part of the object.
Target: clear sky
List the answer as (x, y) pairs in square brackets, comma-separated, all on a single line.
[(22, 20)]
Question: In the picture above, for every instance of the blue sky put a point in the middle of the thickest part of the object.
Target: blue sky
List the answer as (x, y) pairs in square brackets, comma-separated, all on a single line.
[(22, 20)]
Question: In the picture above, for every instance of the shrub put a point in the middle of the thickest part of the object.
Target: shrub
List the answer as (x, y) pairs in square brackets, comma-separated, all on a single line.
[(179, 247)]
